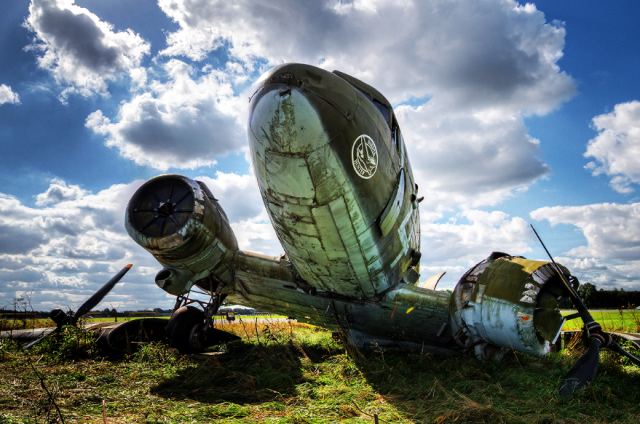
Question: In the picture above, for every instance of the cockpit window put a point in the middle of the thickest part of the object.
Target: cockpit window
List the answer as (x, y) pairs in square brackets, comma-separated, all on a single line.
[(383, 110), (396, 136), (365, 94), (374, 96)]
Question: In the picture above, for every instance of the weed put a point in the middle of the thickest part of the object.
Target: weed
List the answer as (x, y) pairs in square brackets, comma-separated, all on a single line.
[(289, 372), (71, 343)]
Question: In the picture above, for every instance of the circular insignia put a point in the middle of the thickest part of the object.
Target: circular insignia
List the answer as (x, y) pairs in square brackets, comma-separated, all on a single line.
[(364, 157)]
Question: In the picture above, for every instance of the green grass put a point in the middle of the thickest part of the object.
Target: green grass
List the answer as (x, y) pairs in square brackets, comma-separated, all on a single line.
[(295, 373), (614, 320), (6, 325)]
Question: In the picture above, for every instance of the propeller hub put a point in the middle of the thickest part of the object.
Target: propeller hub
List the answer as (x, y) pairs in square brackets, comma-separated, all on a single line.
[(165, 210), (161, 207), (59, 317)]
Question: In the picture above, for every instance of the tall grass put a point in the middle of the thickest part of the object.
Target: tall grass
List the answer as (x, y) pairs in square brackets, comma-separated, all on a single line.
[(291, 372)]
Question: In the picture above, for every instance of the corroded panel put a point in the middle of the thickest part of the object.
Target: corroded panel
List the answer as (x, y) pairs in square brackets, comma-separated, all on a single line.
[(331, 241), (327, 173), (350, 241), (288, 175)]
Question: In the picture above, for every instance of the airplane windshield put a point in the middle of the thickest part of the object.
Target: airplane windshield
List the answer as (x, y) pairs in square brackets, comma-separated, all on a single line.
[(383, 110), (363, 93)]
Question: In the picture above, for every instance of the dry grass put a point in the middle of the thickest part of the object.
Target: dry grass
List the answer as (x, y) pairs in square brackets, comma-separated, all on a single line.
[(295, 373)]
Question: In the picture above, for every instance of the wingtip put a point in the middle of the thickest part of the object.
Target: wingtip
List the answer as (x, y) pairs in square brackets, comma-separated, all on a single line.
[(128, 266)]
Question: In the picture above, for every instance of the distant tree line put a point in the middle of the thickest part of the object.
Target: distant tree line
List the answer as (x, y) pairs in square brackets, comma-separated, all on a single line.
[(604, 299)]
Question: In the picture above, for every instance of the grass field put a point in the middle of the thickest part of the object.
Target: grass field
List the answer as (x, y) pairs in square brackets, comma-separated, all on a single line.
[(17, 324), (627, 321), (295, 373)]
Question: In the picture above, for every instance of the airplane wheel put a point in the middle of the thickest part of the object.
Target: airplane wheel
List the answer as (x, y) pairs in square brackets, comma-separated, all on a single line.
[(184, 329)]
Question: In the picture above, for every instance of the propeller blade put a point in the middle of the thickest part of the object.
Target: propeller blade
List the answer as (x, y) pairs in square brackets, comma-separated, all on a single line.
[(100, 294), (549, 323), (619, 349), (583, 372), (44, 336)]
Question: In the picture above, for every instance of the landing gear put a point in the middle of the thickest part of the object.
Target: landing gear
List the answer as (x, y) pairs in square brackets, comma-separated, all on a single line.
[(190, 330), (186, 329)]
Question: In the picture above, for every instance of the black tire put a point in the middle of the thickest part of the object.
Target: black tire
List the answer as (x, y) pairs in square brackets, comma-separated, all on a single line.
[(181, 327)]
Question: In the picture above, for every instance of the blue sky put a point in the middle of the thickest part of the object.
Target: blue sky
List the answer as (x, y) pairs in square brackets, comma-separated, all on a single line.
[(512, 114)]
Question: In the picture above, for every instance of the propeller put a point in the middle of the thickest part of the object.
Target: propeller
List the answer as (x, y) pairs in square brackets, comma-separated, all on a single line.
[(584, 371), (61, 318)]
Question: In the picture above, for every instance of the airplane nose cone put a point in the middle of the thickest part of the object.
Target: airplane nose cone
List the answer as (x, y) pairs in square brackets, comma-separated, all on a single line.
[(297, 109)]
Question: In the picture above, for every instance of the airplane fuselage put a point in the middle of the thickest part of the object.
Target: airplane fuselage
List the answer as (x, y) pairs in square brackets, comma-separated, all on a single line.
[(336, 182)]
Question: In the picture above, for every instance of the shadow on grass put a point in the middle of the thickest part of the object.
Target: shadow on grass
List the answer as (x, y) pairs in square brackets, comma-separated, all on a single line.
[(405, 387), (245, 374), (520, 388)]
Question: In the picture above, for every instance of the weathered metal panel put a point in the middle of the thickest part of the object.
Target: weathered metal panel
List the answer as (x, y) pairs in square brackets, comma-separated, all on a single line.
[(350, 241), (288, 175), (293, 124), (497, 302), (289, 222), (329, 236), (327, 174)]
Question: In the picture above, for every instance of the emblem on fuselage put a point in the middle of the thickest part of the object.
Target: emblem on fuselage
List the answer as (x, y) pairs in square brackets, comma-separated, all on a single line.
[(364, 157)]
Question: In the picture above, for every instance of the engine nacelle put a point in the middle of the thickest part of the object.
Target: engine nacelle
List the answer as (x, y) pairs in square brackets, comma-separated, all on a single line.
[(508, 303), (182, 225)]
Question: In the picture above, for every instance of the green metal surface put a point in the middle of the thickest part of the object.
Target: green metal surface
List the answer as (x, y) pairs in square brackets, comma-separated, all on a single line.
[(330, 163)]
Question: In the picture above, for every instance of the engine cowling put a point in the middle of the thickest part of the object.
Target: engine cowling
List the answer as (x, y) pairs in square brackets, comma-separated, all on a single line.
[(179, 221), (508, 302)]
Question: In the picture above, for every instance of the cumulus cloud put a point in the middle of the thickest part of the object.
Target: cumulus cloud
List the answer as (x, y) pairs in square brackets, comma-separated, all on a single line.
[(612, 254), (483, 65), (612, 230), (59, 191), (472, 233), (75, 241), (184, 123), (7, 95), (63, 252), (82, 52), (616, 148), (605, 275), (466, 239), (473, 51), (468, 159)]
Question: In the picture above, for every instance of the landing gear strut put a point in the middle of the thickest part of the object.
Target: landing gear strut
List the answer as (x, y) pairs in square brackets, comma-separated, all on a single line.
[(190, 330)]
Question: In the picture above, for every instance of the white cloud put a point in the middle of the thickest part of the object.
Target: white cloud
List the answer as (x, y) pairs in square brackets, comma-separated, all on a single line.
[(240, 198), (476, 52), (456, 246), (59, 191), (184, 123), (612, 230), (455, 242), (64, 252), (468, 159), (605, 275), (82, 52), (7, 95), (612, 254), (617, 146), (483, 65)]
